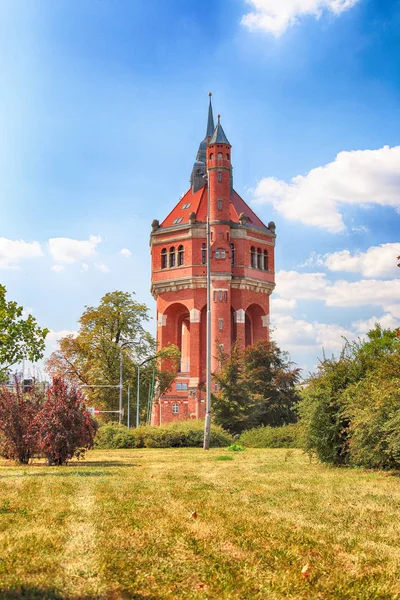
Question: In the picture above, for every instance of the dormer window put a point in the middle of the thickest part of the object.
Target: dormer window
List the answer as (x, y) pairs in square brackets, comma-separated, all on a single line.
[(185, 206), (178, 220)]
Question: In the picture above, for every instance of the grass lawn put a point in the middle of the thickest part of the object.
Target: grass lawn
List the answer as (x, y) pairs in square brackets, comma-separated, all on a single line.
[(120, 525)]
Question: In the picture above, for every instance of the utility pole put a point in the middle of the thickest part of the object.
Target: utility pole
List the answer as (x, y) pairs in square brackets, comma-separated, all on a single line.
[(138, 396), (207, 423), (120, 387), (129, 407)]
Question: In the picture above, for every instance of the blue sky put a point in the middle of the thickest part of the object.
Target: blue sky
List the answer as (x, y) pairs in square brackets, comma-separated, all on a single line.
[(103, 104)]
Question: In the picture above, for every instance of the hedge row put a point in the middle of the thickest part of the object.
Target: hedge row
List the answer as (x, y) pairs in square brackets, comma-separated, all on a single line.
[(183, 434), (286, 436)]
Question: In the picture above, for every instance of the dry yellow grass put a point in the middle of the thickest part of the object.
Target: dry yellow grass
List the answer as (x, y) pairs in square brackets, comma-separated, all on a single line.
[(121, 525)]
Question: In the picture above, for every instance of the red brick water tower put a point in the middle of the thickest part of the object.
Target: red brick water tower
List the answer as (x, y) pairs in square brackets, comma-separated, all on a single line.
[(242, 275)]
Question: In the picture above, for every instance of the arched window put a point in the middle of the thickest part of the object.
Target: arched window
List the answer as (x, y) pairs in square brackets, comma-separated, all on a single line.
[(219, 204), (265, 260), (220, 176), (220, 157), (227, 156), (212, 156), (217, 253), (253, 257), (259, 258), (164, 262), (172, 256), (180, 256), (232, 253), (203, 254)]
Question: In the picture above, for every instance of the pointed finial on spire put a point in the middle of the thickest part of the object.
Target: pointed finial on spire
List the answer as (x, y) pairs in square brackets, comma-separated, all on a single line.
[(210, 122)]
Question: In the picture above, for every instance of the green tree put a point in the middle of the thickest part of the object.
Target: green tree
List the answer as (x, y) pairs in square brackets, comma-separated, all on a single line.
[(231, 403), (257, 386), (20, 337), (272, 384), (113, 328)]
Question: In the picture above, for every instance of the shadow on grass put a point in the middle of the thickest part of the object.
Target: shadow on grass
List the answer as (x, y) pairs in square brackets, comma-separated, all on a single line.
[(105, 463), (35, 593), (59, 474)]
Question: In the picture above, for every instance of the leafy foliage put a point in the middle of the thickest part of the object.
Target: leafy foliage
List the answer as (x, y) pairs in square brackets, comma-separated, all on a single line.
[(257, 386), (52, 423), (182, 434), (348, 409), (286, 436), (20, 338), (18, 410), (64, 426), (116, 327)]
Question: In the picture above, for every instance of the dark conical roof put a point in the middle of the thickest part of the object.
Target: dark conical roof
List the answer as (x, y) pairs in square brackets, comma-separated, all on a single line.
[(210, 122), (219, 136)]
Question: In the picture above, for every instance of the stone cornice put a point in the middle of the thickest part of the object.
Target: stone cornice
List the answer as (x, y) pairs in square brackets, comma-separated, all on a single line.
[(193, 283)]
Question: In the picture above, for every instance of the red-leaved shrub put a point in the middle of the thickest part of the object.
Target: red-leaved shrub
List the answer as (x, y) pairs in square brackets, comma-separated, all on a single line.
[(18, 410), (64, 426)]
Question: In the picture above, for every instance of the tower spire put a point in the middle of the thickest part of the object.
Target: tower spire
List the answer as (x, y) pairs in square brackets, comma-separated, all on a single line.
[(210, 122), (218, 136)]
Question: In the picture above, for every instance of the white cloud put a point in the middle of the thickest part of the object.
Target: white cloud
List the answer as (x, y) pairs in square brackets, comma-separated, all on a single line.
[(387, 321), (297, 335), (377, 261), (102, 267), (282, 305), (57, 268), (67, 250), (360, 177), (316, 286), (84, 267), (125, 252), (12, 252), (276, 16)]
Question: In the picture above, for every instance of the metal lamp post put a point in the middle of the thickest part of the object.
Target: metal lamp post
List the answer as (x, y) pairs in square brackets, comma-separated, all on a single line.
[(207, 423)]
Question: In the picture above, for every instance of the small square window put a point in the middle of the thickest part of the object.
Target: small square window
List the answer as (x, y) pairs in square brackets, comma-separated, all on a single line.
[(175, 409)]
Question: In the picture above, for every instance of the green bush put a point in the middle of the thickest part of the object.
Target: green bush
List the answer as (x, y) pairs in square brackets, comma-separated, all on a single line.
[(113, 435), (182, 434), (271, 437), (374, 412)]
